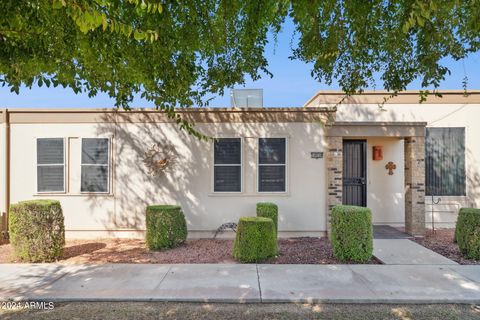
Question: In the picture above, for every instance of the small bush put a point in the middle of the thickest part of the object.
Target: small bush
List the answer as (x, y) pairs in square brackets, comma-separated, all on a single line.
[(37, 230), (256, 239), (166, 227), (467, 232), (268, 210), (351, 235)]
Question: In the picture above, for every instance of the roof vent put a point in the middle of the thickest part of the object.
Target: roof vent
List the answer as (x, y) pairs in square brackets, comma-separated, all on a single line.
[(246, 98)]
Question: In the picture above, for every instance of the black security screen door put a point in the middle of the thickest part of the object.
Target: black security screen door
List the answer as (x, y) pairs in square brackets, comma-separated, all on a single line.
[(355, 172)]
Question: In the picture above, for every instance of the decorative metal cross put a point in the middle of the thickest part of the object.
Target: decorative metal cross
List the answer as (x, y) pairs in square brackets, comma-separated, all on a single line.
[(390, 167)]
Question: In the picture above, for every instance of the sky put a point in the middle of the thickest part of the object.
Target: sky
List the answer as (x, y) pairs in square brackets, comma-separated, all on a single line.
[(291, 85)]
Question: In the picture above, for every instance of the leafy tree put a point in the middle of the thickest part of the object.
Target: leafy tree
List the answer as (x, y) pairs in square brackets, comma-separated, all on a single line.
[(402, 40), (174, 53), (170, 53)]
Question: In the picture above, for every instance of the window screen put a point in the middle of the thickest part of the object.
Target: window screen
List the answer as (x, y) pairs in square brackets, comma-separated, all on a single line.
[(95, 165), (227, 165), (445, 161), (272, 165), (50, 165)]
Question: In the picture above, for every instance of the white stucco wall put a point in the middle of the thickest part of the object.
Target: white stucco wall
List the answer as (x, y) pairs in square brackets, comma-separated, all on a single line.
[(436, 115), (385, 193), (188, 183), (2, 168)]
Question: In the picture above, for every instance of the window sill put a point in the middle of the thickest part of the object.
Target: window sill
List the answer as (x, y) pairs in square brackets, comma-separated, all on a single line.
[(244, 194), (273, 194), (227, 194), (107, 195)]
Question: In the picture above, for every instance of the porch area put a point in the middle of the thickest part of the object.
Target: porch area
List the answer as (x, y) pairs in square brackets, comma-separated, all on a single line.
[(379, 165), (381, 231)]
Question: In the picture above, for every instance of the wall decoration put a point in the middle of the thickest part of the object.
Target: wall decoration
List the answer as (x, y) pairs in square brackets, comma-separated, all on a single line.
[(159, 158), (377, 153), (390, 166)]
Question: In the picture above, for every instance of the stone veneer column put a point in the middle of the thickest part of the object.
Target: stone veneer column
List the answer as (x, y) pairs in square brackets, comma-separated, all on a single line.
[(334, 159), (415, 186)]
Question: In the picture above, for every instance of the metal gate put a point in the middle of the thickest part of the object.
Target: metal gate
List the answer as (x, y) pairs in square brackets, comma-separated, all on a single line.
[(355, 172)]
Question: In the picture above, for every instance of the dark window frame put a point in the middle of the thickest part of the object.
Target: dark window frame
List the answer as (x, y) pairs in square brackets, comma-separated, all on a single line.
[(239, 165), (284, 165), (63, 164), (433, 187), (107, 164)]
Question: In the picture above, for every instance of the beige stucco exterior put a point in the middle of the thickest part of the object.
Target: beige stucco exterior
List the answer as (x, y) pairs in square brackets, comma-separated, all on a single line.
[(436, 112), (188, 182), (385, 193), (313, 185), (2, 169)]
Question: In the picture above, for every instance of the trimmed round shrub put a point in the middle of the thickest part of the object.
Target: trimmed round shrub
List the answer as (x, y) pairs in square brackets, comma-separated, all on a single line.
[(166, 227), (268, 210), (351, 235), (37, 230), (256, 239), (467, 232)]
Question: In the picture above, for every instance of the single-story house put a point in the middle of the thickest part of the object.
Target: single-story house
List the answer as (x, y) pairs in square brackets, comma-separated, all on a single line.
[(413, 164)]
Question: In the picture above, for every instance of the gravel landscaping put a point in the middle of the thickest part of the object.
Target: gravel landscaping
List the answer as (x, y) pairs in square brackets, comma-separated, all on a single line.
[(442, 242), (305, 250)]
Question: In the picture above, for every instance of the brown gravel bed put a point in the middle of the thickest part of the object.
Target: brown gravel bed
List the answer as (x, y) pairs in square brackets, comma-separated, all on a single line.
[(442, 243), (306, 250)]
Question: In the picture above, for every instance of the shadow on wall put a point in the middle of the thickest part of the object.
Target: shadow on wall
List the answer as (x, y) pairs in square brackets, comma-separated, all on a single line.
[(134, 185), (389, 113), (473, 179), (186, 180), (349, 113)]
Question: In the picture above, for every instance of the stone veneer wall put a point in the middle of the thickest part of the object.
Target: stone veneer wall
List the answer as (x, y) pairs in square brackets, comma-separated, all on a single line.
[(415, 185), (334, 159)]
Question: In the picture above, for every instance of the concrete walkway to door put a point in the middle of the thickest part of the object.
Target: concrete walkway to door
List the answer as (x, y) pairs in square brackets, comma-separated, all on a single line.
[(392, 246)]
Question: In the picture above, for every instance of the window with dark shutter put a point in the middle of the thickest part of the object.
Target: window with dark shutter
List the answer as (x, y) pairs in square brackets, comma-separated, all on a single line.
[(272, 165), (227, 171), (445, 161), (95, 165), (50, 165)]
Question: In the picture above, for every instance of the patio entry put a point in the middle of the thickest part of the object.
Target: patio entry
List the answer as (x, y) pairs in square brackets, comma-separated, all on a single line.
[(346, 161), (355, 172)]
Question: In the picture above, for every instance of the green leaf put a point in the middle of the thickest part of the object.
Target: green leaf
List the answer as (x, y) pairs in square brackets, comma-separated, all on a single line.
[(14, 89), (138, 35), (420, 21), (104, 22), (57, 4)]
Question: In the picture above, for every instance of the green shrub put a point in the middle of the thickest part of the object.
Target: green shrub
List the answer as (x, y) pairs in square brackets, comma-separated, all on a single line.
[(268, 210), (166, 227), (351, 235), (37, 231), (256, 239), (467, 232)]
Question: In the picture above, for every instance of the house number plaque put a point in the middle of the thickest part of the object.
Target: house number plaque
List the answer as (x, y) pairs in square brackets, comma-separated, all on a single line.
[(316, 155)]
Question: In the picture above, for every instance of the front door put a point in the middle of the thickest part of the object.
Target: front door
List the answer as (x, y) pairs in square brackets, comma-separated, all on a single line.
[(355, 172)]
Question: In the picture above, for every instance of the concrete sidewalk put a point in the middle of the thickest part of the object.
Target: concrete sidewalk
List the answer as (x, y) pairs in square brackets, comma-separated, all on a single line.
[(404, 251), (241, 283)]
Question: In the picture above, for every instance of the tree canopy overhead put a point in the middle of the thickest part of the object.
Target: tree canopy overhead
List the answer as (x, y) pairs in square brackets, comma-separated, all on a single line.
[(174, 53)]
